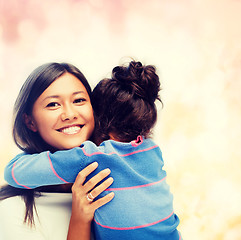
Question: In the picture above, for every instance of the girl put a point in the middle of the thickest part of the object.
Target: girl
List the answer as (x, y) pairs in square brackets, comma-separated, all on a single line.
[(44, 213), (125, 112)]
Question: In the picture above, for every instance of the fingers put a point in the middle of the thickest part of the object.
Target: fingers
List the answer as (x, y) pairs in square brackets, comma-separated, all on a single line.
[(96, 179), (84, 194), (84, 188), (99, 189), (102, 201), (84, 173)]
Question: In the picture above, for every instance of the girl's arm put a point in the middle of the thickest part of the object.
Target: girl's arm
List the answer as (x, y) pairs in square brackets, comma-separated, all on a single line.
[(35, 170)]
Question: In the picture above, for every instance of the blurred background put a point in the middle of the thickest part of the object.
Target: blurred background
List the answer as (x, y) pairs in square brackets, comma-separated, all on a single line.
[(196, 47)]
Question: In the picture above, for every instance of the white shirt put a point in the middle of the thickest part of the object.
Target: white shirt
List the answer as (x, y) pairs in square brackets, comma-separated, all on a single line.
[(52, 222)]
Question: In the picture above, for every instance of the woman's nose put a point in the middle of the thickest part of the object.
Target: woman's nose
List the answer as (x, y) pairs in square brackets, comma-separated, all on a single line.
[(69, 113)]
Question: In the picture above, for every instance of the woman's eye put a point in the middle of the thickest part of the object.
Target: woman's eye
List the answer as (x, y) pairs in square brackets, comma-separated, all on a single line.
[(53, 104), (79, 100)]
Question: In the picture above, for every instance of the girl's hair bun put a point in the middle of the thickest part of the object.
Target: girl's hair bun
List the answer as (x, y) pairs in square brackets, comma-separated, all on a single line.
[(138, 79), (124, 105)]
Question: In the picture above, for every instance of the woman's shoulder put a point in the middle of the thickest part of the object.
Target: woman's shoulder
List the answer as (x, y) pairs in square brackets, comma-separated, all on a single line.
[(15, 205), (51, 220), (11, 211), (11, 204)]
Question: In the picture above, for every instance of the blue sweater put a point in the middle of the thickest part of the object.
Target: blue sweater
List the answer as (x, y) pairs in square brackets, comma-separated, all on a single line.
[(143, 205)]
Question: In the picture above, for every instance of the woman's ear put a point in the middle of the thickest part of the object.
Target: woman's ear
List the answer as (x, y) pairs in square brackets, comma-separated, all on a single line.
[(28, 120)]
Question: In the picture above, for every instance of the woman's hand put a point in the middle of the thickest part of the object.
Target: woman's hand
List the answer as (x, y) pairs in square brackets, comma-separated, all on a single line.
[(83, 204)]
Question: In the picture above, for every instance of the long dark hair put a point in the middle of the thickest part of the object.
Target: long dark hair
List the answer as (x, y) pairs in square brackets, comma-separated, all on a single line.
[(37, 82), (124, 104), (31, 142)]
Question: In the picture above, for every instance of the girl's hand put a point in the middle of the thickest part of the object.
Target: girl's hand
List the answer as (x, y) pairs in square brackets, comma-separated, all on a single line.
[(83, 204)]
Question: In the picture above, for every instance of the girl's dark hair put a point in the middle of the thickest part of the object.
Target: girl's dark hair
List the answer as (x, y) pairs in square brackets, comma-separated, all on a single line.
[(124, 104), (37, 82)]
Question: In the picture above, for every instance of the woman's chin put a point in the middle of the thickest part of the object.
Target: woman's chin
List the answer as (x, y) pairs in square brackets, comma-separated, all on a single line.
[(69, 145)]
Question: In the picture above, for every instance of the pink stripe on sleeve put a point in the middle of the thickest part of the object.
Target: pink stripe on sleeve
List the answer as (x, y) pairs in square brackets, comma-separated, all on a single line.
[(133, 187), (16, 179), (135, 227), (180, 238), (52, 168)]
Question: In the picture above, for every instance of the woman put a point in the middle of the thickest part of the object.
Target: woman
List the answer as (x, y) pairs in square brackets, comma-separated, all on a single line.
[(53, 112)]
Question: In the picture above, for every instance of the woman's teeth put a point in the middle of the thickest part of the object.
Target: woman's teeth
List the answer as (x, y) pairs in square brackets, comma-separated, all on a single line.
[(71, 130)]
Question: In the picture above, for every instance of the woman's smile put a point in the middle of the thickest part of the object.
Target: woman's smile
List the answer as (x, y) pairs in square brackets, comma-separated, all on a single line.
[(71, 130)]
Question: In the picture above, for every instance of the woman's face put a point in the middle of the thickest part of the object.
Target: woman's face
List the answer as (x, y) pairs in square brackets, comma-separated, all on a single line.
[(63, 114)]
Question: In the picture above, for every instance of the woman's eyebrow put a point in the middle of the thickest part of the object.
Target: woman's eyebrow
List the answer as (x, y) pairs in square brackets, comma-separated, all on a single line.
[(52, 96), (58, 96), (79, 92)]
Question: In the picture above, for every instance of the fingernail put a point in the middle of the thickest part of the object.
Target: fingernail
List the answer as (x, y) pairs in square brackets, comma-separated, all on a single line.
[(111, 179), (107, 170), (94, 164), (112, 194)]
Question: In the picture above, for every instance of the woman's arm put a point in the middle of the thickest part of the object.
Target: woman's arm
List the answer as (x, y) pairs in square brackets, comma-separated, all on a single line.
[(82, 208)]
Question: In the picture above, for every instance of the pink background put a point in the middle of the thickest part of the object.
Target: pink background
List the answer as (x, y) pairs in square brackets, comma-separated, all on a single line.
[(196, 46)]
